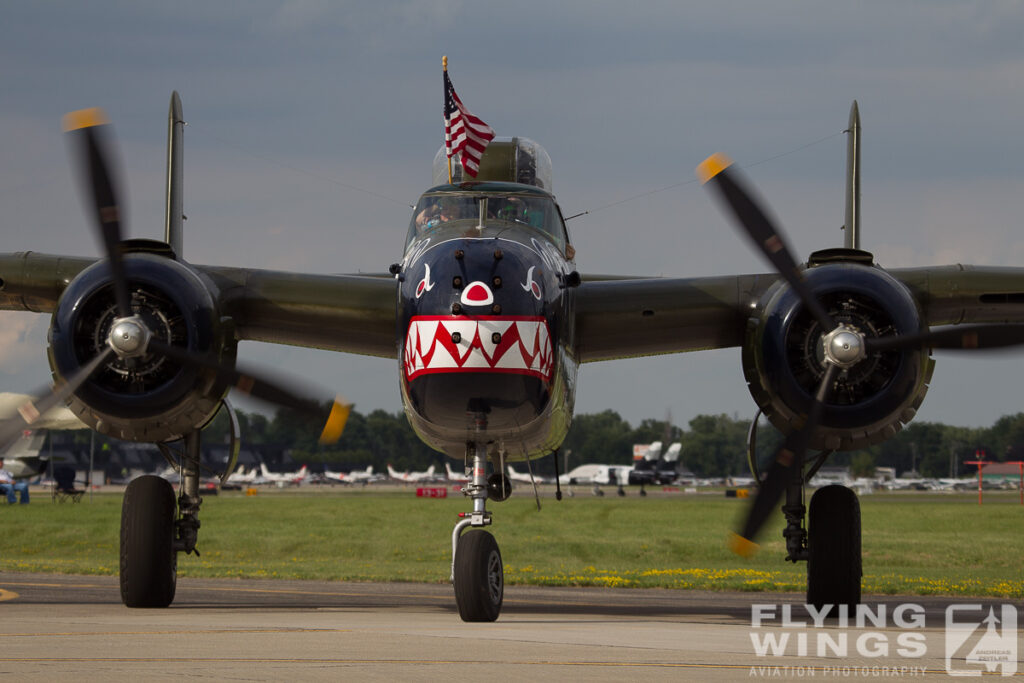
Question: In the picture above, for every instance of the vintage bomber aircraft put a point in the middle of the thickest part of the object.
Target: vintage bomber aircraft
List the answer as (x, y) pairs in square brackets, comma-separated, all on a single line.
[(489, 321)]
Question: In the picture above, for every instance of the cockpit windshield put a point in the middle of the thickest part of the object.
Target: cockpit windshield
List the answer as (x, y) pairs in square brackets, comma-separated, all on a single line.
[(485, 212)]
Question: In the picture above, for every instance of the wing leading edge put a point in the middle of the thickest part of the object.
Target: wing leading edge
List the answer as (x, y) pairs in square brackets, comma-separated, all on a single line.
[(348, 313), (623, 318), (615, 318), (626, 318)]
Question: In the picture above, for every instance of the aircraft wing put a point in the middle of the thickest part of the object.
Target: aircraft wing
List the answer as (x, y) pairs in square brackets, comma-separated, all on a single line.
[(640, 317), (622, 318), (615, 317), (350, 313)]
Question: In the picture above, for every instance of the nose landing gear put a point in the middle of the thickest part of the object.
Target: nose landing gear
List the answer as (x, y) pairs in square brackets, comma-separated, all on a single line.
[(477, 571)]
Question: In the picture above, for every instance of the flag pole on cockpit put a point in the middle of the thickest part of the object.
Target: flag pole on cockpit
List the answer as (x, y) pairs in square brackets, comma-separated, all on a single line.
[(447, 133)]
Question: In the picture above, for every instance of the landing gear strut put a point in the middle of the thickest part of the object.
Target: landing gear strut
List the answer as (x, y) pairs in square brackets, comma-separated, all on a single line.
[(477, 572), (154, 530)]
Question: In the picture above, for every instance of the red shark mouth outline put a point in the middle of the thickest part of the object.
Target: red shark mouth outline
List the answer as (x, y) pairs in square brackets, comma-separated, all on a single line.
[(524, 347)]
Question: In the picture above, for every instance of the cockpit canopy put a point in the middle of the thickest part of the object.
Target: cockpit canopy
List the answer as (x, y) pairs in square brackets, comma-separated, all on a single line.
[(506, 160), (485, 208)]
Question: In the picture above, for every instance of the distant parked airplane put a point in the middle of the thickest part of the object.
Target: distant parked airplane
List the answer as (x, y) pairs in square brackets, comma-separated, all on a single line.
[(455, 476), (364, 477), (648, 468), (525, 478), (651, 467), (240, 476), (412, 476), (21, 454), (284, 478)]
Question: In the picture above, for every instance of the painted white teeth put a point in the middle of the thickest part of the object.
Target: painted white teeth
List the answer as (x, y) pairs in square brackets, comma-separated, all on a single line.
[(523, 346)]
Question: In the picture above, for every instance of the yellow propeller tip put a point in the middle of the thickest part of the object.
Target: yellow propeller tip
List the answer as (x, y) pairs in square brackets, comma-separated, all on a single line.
[(712, 166), (84, 118), (335, 421), (742, 546)]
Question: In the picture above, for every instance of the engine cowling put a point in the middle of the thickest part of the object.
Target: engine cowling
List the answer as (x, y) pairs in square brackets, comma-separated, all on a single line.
[(782, 357), (150, 398)]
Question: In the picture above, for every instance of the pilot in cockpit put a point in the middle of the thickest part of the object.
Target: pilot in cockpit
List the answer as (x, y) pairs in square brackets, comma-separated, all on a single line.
[(429, 217), (519, 210), (442, 210)]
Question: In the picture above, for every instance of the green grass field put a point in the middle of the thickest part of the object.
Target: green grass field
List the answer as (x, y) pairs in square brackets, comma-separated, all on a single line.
[(914, 543)]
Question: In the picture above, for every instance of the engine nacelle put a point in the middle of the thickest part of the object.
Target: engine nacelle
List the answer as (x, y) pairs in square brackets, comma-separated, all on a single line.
[(782, 357), (150, 398)]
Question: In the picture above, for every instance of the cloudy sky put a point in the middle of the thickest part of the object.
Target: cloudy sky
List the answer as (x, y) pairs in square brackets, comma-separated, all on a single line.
[(312, 125)]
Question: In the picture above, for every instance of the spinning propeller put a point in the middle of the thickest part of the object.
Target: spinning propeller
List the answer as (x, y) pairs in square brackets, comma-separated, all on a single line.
[(843, 346), (129, 338)]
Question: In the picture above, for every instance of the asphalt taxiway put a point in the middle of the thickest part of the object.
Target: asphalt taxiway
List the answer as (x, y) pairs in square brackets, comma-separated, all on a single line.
[(54, 626)]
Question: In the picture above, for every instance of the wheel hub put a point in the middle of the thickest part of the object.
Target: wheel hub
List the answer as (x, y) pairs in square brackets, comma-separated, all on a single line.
[(494, 576)]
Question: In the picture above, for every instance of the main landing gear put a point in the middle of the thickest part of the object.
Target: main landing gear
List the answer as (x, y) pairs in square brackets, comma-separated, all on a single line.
[(833, 548), (830, 543), (477, 572), (154, 530), (149, 563)]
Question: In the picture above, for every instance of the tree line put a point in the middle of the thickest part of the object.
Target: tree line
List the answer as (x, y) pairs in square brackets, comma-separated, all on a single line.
[(713, 445)]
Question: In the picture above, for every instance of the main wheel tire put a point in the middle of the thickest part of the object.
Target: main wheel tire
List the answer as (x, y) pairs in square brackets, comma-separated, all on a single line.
[(149, 564), (479, 576), (834, 565)]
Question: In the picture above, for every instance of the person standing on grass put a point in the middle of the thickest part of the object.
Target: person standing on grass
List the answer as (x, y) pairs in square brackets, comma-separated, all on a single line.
[(9, 486)]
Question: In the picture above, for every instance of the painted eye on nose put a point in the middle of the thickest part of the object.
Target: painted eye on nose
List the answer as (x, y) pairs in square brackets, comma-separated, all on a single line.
[(531, 285), (425, 284)]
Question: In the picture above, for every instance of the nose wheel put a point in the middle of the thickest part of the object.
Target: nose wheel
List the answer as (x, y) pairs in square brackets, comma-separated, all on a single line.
[(477, 571), (479, 576)]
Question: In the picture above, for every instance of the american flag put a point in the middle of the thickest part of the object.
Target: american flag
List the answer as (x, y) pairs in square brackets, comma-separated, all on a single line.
[(463, 132)]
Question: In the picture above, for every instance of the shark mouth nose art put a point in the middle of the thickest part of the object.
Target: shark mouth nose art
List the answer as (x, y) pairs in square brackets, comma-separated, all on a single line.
[(504, 344)]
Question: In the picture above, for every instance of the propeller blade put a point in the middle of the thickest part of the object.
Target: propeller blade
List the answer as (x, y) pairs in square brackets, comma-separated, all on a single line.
[(954, 337), (780, 473), (90, 131), (336, 421), (717, 172), (92, 144), (33, 409), (261, 387)]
